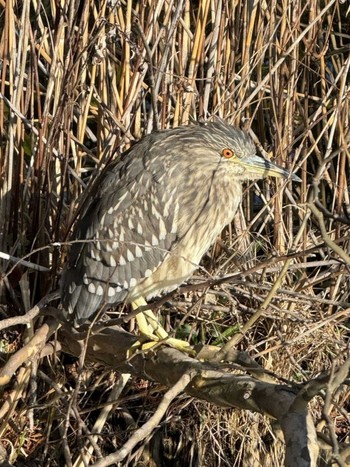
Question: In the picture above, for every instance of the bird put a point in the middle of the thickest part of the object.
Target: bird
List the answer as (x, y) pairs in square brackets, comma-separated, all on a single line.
[(154, 212)]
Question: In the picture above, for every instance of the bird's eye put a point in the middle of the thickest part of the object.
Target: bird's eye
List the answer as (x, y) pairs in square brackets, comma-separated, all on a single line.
[(227, 153)]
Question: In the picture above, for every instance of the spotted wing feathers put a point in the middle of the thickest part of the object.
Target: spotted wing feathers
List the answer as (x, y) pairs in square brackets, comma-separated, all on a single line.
[(124, 234)]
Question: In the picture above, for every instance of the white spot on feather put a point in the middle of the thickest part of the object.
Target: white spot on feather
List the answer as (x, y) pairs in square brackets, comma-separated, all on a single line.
[(121, 234), (99, 290), (138, 252), (130, 256), (155, 211), (95, 255), (122, 261), (103, 218), (120, 200), (108, 247), (162, 230), (130, 224), (92, 288), (174, 226), (169, 203)]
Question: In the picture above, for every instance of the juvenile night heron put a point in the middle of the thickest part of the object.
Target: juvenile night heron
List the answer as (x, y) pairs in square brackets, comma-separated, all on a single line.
[(156, 210)]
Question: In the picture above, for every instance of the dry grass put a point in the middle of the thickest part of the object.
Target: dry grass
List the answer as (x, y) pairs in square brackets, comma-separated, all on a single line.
[(79, 81)]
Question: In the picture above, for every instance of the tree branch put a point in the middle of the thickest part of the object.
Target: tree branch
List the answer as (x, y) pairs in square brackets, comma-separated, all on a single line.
[(111, 345)]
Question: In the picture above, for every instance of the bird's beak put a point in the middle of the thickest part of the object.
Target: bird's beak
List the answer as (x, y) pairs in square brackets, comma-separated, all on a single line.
[(257, 166)]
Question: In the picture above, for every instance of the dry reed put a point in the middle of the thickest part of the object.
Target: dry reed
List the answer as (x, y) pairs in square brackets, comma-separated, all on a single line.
[(79, 81)]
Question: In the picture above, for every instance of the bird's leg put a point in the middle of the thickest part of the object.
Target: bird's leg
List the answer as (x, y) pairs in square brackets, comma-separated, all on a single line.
[(150, 327)]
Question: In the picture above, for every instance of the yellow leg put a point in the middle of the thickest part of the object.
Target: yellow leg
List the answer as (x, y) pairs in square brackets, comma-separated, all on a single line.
[(150, 327)]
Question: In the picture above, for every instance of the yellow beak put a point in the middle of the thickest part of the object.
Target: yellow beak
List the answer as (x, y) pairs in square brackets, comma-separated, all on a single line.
[(256, 165)]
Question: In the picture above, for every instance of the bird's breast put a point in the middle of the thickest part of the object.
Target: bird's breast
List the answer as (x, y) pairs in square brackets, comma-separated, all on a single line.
[(200, 217)]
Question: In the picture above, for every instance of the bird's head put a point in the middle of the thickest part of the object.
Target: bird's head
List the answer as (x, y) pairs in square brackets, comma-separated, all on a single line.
[(237, 153)]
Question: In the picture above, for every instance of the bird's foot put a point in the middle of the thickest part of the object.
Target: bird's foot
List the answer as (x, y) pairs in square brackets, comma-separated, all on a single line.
[(145, 346), (154, 334)]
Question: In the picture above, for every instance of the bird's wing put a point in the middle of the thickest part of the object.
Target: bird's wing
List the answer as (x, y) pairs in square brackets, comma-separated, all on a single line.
[(123, 235)]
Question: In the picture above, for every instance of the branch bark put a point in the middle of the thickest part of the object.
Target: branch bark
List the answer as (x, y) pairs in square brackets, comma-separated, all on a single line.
[(210, 383)]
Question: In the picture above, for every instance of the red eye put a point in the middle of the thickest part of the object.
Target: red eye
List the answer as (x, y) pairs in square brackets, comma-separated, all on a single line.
[(227, 153)]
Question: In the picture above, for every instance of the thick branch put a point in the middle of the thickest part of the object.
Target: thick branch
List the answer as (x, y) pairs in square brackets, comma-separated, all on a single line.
[(167, 365)]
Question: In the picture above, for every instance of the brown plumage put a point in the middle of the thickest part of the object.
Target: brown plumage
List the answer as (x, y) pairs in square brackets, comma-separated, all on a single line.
[(155, 212)]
